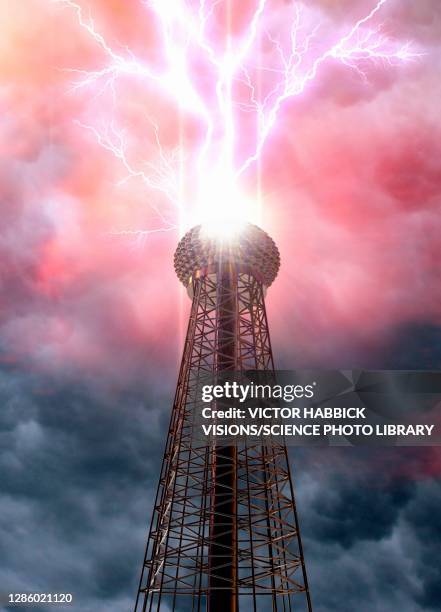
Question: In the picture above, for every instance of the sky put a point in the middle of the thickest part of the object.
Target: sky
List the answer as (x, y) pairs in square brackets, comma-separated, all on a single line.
[(92, 317)]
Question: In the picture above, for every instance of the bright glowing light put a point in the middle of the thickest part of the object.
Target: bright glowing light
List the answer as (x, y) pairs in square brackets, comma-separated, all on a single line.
[(222, 210), (231, 82), (223, 224), (222, 228)]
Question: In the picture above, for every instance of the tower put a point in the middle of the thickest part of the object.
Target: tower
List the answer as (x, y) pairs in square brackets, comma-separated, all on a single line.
[(224, 534)]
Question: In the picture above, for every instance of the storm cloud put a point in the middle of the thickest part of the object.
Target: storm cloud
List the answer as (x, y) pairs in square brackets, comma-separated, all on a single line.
[(92, 325)]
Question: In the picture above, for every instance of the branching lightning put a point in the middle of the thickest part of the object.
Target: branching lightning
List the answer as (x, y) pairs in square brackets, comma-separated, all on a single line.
[(246, 78)]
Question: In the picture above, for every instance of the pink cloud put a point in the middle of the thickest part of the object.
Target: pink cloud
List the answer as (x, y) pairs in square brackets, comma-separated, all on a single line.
[(351, 180)]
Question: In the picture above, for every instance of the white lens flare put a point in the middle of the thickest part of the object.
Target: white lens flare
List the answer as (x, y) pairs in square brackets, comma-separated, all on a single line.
[(222, 228), (223, 211)]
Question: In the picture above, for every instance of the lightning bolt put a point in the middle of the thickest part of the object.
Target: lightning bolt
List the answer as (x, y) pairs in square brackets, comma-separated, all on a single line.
[(246, 74)]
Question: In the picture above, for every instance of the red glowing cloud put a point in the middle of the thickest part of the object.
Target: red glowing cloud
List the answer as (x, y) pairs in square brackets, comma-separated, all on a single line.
[(349, 178)]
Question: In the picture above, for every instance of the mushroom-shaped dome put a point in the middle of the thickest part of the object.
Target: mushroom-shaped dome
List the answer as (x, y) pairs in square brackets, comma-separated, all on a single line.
[(250, 249)]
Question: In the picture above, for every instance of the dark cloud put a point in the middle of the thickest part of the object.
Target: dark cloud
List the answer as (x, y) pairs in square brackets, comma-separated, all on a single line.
[(363, 544), (79, 468), (78, 474), (424, 539)]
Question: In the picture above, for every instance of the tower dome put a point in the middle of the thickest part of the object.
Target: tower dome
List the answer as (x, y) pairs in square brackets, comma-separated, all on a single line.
[(250, 250)]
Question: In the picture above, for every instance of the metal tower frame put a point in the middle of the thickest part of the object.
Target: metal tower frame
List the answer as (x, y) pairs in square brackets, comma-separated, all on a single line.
[(224, 533)]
